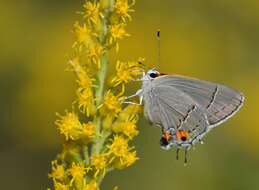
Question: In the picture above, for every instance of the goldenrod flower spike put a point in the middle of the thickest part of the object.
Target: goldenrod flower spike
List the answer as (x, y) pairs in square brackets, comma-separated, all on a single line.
[(97, 132)]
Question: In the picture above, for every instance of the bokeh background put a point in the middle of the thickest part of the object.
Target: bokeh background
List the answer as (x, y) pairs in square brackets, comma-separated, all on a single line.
[(214, 40)]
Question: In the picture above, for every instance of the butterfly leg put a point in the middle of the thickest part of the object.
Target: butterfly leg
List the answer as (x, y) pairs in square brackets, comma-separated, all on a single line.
[(185, 156), (177, 153), (139, 93), (132, 103)]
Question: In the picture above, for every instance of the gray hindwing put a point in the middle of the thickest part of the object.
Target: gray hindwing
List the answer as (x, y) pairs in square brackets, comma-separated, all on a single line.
[(170, 108)]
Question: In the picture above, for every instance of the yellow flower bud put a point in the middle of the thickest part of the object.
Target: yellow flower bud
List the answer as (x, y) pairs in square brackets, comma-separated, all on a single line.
[(69, 126)]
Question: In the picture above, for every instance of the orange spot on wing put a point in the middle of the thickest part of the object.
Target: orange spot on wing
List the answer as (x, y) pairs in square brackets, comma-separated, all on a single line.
[(167, 136), (182, 135)]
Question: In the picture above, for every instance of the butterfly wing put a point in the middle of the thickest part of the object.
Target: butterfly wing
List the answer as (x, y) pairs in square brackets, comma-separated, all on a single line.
[(169, 108), (219, 102)]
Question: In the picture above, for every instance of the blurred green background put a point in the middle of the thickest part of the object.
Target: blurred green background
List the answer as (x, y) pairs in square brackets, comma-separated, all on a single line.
[(213, 40)]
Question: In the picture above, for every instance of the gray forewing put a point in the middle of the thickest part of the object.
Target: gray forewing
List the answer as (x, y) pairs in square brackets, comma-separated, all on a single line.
[(218, 101)]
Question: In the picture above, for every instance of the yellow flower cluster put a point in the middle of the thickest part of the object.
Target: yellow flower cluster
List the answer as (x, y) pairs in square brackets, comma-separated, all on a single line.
[(99, 163), (111, 104), (121, 155), (126, 72), (92, 12), (97, 133), (126, 122), (69, 126), (77, 172), (83, 34), (58, 171), (117, 32), (72, 129), (123, 8)]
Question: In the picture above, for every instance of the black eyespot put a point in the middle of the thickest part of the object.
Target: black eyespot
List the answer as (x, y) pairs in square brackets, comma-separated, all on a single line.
[(163, 142), (153, 75), (183, 138)]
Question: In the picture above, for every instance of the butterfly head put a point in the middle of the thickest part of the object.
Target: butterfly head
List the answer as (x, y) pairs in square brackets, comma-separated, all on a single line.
[(151, 74)]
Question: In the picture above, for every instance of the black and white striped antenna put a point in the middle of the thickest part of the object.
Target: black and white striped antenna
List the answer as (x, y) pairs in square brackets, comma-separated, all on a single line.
[(158, 49)]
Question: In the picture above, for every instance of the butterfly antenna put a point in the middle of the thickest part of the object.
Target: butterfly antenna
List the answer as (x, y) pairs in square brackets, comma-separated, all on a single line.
[(158, 48)]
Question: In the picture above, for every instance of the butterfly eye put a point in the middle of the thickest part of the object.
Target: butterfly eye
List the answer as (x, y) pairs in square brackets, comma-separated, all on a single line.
[(153, 75)]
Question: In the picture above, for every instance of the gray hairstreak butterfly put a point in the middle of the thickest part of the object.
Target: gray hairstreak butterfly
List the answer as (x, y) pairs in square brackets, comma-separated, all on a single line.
[(186, 109)]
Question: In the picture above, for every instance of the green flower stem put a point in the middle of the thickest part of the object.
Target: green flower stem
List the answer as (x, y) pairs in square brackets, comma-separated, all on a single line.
[(99, 95), (101, 76), (85, 153)]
